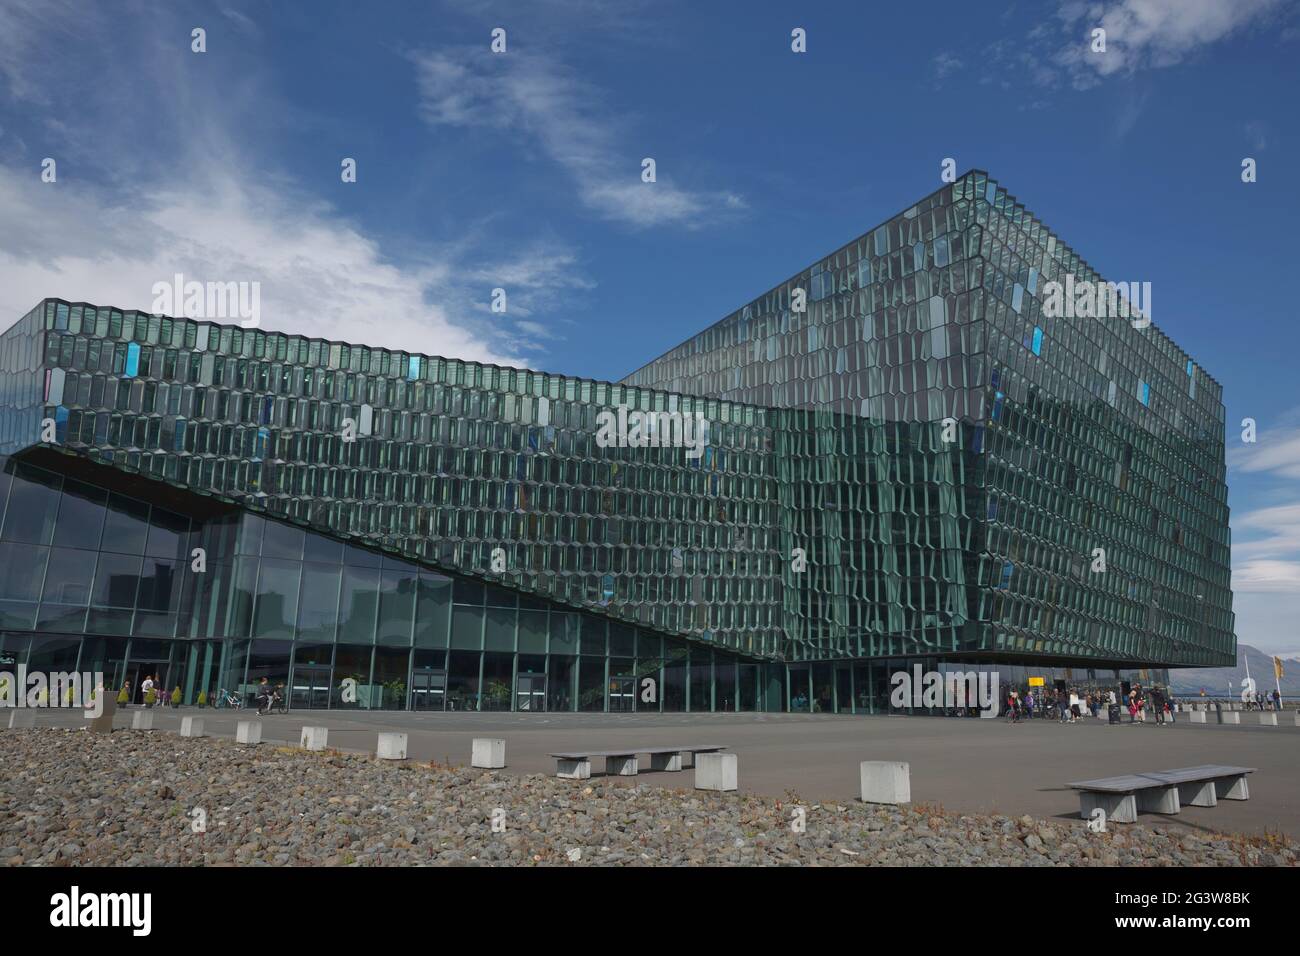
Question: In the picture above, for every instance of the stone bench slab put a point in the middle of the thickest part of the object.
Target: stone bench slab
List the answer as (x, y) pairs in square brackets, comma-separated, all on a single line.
[(633, 751), (1162, 791), (576, 764)]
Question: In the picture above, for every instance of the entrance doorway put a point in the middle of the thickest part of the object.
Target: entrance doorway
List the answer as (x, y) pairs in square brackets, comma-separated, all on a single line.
[(530, 692), (622, 694), (311, 688), (428, 690), (137, 671)]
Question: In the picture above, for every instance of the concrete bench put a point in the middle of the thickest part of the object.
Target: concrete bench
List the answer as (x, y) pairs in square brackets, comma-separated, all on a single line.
[(576, 764), (1164, 791)]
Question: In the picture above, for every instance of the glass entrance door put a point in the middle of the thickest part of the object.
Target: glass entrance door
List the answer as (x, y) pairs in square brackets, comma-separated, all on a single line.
[(311, 688), (622, 694), (428, 690), (530, 692)]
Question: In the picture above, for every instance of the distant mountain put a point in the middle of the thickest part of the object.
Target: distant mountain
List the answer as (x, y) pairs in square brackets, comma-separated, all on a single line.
[(1188, 681)]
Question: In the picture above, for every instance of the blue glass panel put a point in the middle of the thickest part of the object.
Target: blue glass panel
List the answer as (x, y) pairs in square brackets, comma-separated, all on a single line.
[(132, 359)]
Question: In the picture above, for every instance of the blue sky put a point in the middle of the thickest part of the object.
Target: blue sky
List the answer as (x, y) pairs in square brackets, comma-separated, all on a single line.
[(522, 171)]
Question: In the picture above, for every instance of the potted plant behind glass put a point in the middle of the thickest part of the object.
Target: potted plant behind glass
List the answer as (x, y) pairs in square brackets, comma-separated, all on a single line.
[(498, 695)]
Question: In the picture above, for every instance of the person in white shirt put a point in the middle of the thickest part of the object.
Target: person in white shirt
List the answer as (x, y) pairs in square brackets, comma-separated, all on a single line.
[(144, 690)]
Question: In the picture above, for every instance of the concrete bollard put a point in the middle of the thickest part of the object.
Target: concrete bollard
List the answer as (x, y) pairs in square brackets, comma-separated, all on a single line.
[(103, 724), (22, 717), (715, 772), (191, 726), (1231, 717), (886, 781), (488, 753), (249, 732), (391, 747), (314, 738), (1198, 716), (142, 720), (1268, 719)]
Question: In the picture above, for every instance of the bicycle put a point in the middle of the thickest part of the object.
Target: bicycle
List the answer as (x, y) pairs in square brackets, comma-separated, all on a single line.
[(227, 699), (273, 703)]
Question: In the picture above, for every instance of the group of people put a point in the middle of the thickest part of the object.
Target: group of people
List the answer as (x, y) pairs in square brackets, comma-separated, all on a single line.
[(1068, 706), (1269, 700), (1159, 702), (150, 684), (269, 697)]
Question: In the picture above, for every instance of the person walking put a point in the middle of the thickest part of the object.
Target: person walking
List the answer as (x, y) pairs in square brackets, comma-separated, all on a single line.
[(145, 687), (1029, 705), (263, 696)]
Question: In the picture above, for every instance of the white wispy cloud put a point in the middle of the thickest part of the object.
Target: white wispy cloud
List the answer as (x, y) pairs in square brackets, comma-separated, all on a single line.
[(1275, 450), (319, 274), (1257, 135), (201, 201), (542, 275), (1149, 34), (527, 93), (945, 63), (32, 32), (1056, 50)]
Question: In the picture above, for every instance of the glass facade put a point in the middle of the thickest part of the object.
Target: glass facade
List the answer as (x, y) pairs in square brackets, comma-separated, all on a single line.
[(94, 579), (907, 459), (976, 476)]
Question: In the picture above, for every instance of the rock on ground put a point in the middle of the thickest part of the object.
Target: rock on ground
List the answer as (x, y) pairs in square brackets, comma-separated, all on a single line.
[(138, 799)]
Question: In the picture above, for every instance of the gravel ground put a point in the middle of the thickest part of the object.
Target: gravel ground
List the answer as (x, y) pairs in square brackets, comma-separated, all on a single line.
[(72, 798)]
